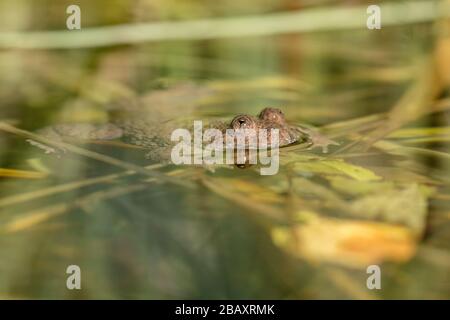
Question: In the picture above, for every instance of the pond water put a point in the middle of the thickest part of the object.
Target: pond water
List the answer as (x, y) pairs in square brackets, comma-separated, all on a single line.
[(141, 228)]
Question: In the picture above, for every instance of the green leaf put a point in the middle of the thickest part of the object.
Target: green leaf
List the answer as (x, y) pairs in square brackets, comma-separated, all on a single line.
[(406, 205), (336, 167)]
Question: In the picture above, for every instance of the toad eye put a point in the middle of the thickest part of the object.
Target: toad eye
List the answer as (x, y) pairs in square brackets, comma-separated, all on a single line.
[(243, 122), (272, 114)]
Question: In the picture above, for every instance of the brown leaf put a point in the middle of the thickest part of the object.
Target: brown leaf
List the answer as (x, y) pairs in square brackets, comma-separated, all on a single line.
[(350, 243)]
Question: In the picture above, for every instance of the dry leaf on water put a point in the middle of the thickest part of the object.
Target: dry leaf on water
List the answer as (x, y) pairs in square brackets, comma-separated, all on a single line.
[(349, 243)]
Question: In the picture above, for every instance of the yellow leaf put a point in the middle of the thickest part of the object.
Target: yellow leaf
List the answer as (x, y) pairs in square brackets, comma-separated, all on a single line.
[(252, 191), (22, 174), (34, 218), (346, 242)]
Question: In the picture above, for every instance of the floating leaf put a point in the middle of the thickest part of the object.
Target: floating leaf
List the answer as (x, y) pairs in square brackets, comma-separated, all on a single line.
[(420, 132), (356, 172), (345, 242), (406, 205), (36, 217), (336, 167)]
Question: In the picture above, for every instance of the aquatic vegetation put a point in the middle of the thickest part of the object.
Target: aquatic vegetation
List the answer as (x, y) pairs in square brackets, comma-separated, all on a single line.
[(376, 100)]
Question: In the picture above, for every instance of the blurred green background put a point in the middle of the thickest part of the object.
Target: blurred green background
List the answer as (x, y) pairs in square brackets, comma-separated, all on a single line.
[(381, 197)]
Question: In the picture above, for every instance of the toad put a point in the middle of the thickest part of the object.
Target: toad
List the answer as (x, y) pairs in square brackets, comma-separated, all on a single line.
[(156, 136), (274, 118)]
